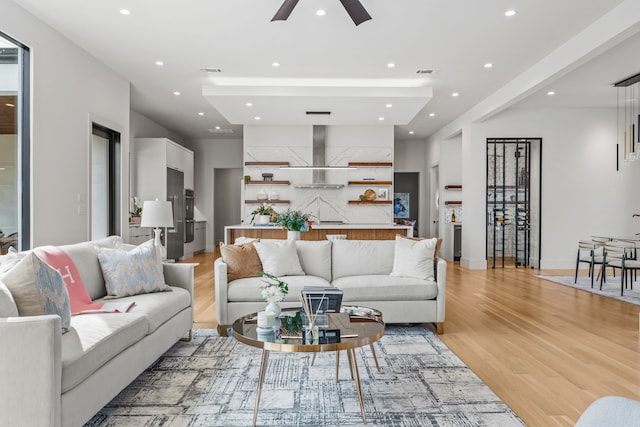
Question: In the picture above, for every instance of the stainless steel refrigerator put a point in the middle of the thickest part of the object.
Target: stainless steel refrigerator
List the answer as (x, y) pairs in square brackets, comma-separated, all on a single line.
[(175, 194)]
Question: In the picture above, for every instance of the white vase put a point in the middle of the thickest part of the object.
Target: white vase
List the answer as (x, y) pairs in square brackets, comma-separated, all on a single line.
[(293, 235), (262, 219), (274, 308)]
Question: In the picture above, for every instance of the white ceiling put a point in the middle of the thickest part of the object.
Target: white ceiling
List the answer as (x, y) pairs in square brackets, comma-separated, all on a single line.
[(327, 63)]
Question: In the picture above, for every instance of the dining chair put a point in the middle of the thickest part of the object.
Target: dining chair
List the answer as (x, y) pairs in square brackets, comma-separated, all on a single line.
[(589, 252), (621, 254)]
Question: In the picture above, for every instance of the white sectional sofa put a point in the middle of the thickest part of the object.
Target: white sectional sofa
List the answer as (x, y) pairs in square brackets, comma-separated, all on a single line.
[(362, 269), (48, 378)]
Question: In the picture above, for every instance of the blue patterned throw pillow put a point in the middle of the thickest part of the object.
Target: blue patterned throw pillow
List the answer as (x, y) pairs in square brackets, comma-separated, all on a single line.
[(38, 289), (134, 272)]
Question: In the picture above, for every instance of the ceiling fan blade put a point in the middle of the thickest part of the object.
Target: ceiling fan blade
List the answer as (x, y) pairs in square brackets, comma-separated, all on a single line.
[(356, 11), (285, 10)]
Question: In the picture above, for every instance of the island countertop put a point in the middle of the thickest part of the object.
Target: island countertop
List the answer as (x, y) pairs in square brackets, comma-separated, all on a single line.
[(354, 231)]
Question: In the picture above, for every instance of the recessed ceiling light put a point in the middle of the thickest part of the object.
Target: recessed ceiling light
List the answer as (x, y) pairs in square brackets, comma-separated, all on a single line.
[(455, 94), (488, 65), (217, 127), (432, 114), (381, 118), (176, 93), (276, 64), (510, 12), (257, 117), (249, 104), (321, 12), (159, 63), (10, 105), (551, 93), (411, 132), (125, 12), (389, 105), (391, 65), (201, 113)]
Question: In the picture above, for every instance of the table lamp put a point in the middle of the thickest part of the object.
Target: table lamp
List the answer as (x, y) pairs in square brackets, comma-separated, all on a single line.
[(157, 214)]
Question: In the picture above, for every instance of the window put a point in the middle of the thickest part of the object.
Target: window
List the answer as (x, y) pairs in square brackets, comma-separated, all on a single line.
[(105, 182), (14, 145)]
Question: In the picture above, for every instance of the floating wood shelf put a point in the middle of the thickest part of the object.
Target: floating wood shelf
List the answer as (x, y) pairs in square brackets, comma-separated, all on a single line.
[(268, 201), (268, 183), (266, 163), (453, 202), (453, 187), (370, 182), (371, 164), (370, 202)]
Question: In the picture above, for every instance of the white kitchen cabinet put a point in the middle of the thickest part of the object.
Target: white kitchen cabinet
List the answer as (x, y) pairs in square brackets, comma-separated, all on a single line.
[(138, 235), (200, 237), (151, 158)]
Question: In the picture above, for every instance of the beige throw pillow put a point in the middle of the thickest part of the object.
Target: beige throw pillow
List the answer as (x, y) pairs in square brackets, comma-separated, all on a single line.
[(242, 261)]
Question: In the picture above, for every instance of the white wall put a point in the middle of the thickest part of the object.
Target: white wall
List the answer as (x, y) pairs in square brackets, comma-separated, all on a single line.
[(143, 127), (409, 156), (450, 169), (67, 86), (582, 194), (210, 154)]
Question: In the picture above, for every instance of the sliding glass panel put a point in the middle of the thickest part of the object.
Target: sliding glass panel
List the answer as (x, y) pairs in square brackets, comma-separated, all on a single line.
[(14, 146)]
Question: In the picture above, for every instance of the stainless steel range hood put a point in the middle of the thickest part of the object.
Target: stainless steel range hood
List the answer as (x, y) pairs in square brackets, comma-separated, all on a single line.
[(319, 166)]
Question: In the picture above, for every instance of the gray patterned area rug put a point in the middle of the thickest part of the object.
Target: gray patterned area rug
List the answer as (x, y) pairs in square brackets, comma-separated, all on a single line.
[(211, 381), (610, 289)]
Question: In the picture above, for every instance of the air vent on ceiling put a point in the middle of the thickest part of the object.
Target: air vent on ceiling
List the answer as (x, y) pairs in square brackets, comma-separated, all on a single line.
[(424, 71), (211, 70), (318, 113), (220, 130)]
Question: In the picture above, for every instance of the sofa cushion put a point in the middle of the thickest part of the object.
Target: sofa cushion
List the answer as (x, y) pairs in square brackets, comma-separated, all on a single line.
[(385, 288), (359, 257), (248, 289), (85, 258), (134, 272), (242, 261), (38, 289), (158, 307), (7, 304), (94, 339), (315, 257), (414, 258), (279, 257)]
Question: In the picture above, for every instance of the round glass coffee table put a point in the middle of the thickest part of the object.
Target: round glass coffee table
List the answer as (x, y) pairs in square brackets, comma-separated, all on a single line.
[(353, 327)]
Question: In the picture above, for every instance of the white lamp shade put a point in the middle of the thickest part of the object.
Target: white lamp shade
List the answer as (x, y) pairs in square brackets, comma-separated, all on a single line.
[(157, 213)]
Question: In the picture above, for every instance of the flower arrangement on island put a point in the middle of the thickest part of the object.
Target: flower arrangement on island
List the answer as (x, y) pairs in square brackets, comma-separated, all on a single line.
[(273, 289), (263, 209), (294, 220)]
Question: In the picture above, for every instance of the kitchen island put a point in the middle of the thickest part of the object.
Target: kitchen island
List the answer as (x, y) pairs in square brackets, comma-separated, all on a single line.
[(320, 231)]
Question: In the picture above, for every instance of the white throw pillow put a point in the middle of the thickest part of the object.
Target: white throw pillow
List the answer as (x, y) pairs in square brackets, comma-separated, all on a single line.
[(279, 257), (7, 304), (414, 258)]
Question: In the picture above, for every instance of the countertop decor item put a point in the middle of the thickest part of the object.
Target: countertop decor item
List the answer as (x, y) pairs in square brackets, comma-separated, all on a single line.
[(264, 210), (292, 220)]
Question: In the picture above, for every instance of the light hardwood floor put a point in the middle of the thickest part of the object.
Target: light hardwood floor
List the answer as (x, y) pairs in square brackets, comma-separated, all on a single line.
[(546, 350)]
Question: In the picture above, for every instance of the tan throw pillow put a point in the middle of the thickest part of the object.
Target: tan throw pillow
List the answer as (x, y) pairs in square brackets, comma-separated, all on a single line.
[(242, 261)]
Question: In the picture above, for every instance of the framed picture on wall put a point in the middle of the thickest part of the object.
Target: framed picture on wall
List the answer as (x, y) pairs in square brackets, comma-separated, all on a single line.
[(401, 205), (383, 194)]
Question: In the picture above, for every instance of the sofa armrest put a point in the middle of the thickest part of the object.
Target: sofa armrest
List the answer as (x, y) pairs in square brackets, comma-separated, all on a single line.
[(180, 275), (30, 370), (442, 288), (220, 287)]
